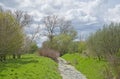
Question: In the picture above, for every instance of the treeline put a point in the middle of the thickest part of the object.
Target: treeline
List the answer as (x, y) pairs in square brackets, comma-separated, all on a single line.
[(105, 44), (13, 40)]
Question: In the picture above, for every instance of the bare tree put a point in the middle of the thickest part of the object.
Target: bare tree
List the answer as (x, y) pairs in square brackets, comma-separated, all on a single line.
[(22, 18), (64, 25), (50, 22), (60, 33), (56, 25)]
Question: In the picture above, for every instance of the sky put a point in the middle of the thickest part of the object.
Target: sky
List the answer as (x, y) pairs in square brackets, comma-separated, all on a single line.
[(86, 15)]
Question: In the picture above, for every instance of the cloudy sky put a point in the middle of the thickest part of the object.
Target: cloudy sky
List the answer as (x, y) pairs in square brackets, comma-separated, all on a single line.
[(87, 15)]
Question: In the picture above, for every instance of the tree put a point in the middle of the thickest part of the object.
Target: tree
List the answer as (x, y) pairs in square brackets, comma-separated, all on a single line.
[(106, 43), (60, 33), (33, 47), (64, 43), (81, 46), (24, 20), (11, 35), (64, 26), (57, 27), (50, 23)]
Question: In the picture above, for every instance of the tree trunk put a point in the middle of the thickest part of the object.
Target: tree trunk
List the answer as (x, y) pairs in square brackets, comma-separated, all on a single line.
[(19, 56), (14, 56), (0, 58), (4, 57)]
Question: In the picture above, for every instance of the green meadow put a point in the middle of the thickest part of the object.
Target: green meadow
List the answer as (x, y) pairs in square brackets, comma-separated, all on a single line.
[(29, 67)]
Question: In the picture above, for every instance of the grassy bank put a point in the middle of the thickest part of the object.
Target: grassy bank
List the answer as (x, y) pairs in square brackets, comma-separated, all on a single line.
[(92, 68), (29, 67)]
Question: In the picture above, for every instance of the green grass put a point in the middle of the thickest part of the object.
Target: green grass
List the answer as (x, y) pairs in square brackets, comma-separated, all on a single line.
[(90, 67), (29, 67)]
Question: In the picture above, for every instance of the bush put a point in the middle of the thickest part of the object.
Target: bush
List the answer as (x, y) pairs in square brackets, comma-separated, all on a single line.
[(49, 53)]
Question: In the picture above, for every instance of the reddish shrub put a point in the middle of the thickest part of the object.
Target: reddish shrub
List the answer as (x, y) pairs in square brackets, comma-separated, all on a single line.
[(49, 53)]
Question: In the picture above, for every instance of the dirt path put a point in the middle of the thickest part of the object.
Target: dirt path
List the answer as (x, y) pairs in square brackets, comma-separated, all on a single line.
[(68, 71)]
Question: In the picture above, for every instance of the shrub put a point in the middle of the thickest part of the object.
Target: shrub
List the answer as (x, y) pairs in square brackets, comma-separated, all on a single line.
[(49, 53)]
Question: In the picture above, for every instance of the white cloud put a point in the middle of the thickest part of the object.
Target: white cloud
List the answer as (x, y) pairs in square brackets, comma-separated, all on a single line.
[(5, 7), (72, 9), (41, 40), (113, 14), (2, 4), (85, 14)]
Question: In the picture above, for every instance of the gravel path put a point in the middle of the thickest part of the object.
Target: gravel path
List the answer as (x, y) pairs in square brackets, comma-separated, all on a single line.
[(68, 71)]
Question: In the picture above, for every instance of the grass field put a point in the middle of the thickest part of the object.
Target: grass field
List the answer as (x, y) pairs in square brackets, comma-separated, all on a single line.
[(91, 68), (29, 67)]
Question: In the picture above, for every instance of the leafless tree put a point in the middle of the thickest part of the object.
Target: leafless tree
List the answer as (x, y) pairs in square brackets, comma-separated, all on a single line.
[(22, 18), (50, 22), (58, 31), (64, 25)]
